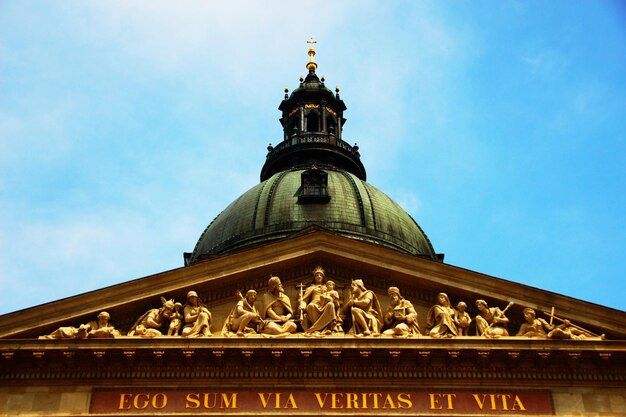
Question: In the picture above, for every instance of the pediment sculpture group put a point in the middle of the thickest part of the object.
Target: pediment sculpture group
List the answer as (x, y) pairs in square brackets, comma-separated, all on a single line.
[(320, 312)]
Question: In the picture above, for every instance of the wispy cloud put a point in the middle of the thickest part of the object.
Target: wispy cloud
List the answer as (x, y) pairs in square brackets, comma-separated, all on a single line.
[(546, 63)]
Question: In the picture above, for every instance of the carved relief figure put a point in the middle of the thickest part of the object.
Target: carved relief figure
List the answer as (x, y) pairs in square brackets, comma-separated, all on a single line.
[(569, 330), (364, 309), (197, 317), (277, 312), (320, 311), (462, 319), (156, 319), (401, 317), (333, 297), (540, 328), (244, 317), (440, 319), (68, 332), (143, 331), (102, 329), (534, 327), (176, 321), (491, 322), (99, 329)]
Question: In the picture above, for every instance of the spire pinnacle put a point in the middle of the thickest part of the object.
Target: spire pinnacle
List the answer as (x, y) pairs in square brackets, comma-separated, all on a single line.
[(311, 65)]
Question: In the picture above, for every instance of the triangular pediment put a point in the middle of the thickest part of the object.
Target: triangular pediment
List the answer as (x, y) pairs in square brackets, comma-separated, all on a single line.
[(216, 281)]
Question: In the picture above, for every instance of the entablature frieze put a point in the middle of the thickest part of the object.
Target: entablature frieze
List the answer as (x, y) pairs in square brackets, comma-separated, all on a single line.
[(561, 362)]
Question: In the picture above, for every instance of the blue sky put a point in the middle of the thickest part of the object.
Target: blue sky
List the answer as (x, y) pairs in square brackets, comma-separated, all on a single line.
[(126, 127)]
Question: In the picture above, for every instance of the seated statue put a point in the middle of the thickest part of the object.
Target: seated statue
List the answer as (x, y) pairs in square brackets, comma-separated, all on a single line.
[(244, 317), (320, 312), (401, 317), (462, 319), (440, 318), (156, 319), (197, 317), (277, 313), (100, 329), (364, 309), (490, 322), (534, 327)]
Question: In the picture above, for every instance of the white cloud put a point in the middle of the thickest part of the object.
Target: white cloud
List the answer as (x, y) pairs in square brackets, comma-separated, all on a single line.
[(546, 63), (408, 200)]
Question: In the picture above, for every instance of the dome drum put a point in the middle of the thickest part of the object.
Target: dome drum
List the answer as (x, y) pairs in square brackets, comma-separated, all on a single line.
[(310, 148)]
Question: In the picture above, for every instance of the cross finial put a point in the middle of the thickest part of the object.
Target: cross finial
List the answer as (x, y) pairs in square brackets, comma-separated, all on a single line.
[(311, 65)]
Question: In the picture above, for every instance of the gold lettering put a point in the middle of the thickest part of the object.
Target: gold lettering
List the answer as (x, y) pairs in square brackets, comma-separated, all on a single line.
[(492, 397), (193, 401), (404, 400), (155, 400), (144, 404), (264, 400), (434, 401), (480, 403), (124, 402), (335, 399), (517, 402), (505, 404), (352, 400), (321, 401), (364, 400), (389, 402), (229, 402), (207, 404), (450, 397), (291, 402), (376, 396), (436, 405)]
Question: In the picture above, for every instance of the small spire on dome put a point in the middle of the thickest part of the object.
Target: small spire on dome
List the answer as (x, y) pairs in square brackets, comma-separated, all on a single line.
[(311, 65)]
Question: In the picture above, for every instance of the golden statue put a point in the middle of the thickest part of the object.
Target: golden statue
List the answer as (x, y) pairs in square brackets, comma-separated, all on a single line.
[(100, 329), (401, 317), (364, 309), (277, 313)]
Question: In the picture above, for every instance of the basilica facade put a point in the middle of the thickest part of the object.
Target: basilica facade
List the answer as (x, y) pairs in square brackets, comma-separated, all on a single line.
[(314, 293)]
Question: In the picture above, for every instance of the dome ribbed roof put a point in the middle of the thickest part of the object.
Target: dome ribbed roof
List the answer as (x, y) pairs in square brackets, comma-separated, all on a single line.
[(312, 178), (271, 210)]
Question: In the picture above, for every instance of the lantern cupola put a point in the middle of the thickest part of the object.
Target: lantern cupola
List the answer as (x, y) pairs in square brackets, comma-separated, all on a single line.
[(312, 121)]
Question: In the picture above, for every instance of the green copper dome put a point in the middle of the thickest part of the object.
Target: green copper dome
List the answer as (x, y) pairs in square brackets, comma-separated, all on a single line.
[(275, 209), (312, 177)]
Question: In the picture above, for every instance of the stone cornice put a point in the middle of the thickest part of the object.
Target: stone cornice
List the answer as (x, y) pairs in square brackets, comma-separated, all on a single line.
[(405, 361)]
